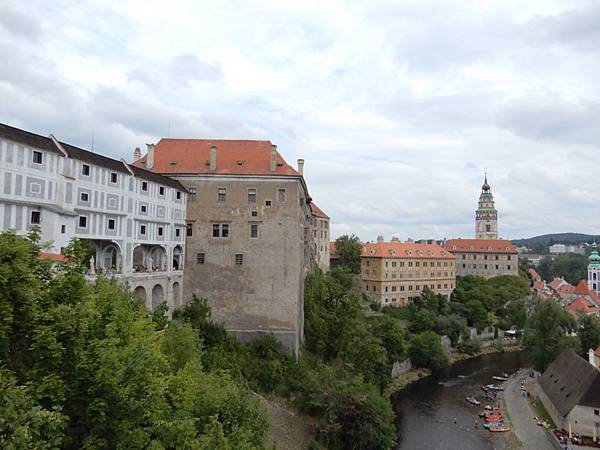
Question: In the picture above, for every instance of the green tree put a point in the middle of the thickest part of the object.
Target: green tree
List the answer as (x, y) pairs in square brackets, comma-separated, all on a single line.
[(426, 350), (478, 316), (348, 249), (588, 330), (546, 333)]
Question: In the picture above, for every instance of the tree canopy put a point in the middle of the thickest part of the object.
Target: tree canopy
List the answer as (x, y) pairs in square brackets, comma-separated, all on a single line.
[(348, 249)]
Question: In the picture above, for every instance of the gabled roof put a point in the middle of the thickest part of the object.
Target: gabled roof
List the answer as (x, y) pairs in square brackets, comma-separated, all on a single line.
[(534, 275), (481, 246), (405, 250), (557, 283), (317, 212), (581, 305), (234, 157), (571, 380), (583, 289), (54, 257), (47, 144)]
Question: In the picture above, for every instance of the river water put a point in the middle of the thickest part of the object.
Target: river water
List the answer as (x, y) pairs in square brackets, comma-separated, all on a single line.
[(425, 411)]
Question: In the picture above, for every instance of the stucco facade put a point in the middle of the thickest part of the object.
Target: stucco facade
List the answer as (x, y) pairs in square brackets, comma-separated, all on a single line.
[(135, 219), (320, 227), (484, 257), (395, 273)]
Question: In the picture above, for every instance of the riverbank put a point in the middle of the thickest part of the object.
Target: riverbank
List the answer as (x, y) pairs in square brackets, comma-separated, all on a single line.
[(457, 356), (414, 375)]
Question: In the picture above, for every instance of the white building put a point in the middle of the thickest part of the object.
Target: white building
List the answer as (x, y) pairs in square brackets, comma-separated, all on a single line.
[(133, 217), (561, 249)]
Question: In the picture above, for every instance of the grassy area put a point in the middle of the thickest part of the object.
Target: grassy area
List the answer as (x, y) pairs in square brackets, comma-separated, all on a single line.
[(541, 412)]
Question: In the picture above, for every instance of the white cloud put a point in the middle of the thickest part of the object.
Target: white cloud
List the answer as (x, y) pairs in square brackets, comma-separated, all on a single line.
[(398, 108)]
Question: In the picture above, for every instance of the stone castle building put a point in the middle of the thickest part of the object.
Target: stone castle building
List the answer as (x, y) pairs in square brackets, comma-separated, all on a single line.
[(249, 232), (484, 257), (396, 272), (320, 237), (486, 216), (135, 219)]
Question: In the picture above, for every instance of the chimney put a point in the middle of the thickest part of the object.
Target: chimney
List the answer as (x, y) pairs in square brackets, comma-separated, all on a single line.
[(137, 154), (213, 158), (395, 239), (301, 167), (150, 156), (273, 157), (380, 239)]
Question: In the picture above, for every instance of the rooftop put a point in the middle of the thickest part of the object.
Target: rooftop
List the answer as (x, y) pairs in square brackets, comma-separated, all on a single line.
[(408, 250), (233, 157), (481, 246), (317, 212)]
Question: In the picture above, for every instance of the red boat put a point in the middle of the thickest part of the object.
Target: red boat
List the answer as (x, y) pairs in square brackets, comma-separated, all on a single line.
[(493, 418)]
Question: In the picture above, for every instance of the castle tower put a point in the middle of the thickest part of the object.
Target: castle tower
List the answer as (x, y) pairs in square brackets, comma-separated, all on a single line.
[(594, 270), (486, 216)]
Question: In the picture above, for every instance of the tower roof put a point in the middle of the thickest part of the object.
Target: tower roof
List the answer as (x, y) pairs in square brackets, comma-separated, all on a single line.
[(486, 186), (594, 258)]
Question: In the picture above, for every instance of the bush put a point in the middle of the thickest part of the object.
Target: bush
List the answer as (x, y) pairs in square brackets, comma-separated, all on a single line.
[(470, 346), (425, 350)]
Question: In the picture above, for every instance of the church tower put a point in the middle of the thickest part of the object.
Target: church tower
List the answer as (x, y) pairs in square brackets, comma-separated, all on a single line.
[(486, 216), (594, 270)]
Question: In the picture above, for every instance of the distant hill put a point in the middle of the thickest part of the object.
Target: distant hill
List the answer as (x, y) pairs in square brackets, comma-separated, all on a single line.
[(555, 238)]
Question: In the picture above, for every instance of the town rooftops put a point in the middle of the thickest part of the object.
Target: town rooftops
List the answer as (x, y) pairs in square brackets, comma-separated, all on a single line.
[(583, 289), (481, 246), (405, 250), (230, 157), (535, 276), (48, 144), (571, 380), (581, 305), (317, 212)]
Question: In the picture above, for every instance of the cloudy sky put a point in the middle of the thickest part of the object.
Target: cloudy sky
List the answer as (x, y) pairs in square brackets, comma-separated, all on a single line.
[(397, 107)]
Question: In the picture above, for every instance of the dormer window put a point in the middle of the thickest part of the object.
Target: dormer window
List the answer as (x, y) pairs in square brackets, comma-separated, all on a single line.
[(489, 248)]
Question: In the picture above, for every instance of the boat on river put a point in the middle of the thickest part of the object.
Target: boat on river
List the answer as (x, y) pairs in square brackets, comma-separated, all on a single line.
[(494, 387), (500, 378), (473, 401), (499, 428)]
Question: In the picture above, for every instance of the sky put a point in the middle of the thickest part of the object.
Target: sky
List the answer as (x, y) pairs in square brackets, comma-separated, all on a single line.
[(397, 107)]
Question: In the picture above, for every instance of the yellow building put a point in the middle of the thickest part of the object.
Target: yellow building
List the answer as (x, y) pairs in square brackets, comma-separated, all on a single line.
[(396, 272)]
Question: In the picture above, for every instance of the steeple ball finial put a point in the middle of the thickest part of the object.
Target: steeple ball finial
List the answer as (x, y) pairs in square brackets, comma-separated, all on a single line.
[(486, 186)]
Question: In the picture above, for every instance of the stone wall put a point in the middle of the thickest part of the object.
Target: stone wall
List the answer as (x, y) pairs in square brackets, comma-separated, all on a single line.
[(400, 368)]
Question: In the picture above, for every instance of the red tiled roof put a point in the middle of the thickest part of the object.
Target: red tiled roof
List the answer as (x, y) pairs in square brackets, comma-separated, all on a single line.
[(581, 306), (481, 246), (234, 157), (539, 284), (534, 275), (556, 283), (566, 288), (583, 289), (405, 250), (317, 212), (54, 257)]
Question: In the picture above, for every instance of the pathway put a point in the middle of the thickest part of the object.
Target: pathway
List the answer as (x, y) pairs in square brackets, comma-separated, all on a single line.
[(521, 416)]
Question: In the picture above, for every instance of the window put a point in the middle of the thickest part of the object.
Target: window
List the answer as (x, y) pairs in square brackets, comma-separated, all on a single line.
[(177, 232), (143, 209), (63, 229), (178, 195), (239, 259), (82, 222), (200, 258), (143, 230), (38, 157), (251, 195), (281, 195), (161, 231), (85, 170), (597, 412), (222, 195), (189, 229), (220, 230), (85, 197), (145, 186), (112, 224), (254, 213), (254, 230), (192, 194), (35, 217), (267, 203), (161, 190), (113, 177)]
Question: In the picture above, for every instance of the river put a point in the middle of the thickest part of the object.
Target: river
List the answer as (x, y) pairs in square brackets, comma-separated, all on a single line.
[(425, 411)]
